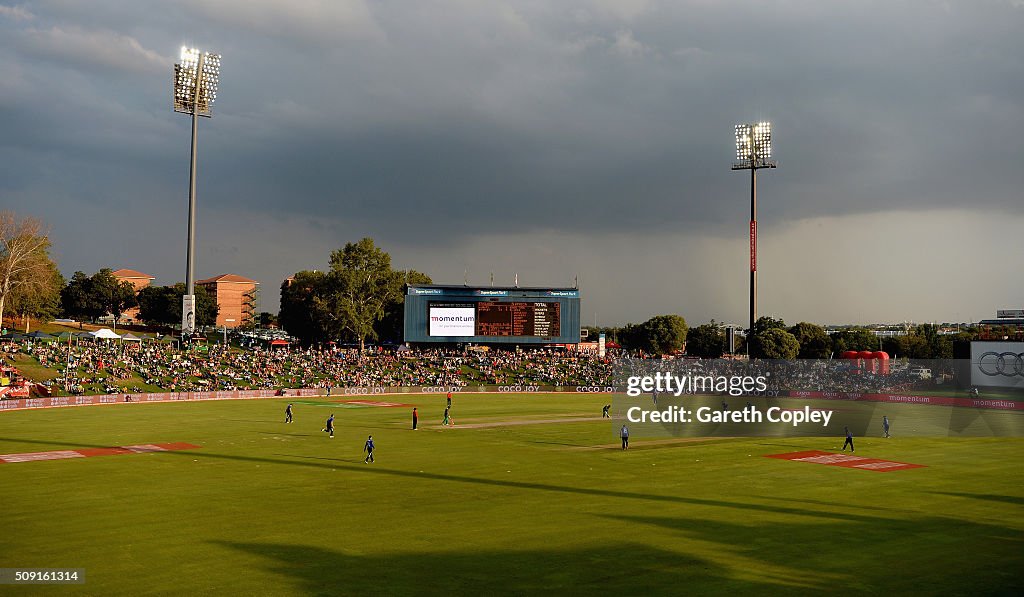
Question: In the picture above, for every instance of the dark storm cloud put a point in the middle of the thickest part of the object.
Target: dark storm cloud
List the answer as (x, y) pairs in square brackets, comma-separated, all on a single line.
[(431, 124), (555, 119)]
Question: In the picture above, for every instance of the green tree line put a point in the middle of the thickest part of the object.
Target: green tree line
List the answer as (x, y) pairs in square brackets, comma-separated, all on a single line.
[(360, 298), (773, 339)]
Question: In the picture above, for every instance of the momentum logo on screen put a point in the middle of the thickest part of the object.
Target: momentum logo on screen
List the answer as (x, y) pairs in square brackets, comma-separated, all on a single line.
[(452, 321)]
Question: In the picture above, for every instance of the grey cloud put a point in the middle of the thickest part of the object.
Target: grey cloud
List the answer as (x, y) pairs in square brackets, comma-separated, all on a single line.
[(87, 50), (436, 124)]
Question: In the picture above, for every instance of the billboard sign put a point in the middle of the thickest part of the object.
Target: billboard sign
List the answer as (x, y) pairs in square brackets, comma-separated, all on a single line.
[(997, 364), (452, 321), (188, 314)]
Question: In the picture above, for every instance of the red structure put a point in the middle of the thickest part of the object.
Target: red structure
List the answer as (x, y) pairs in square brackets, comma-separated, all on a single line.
[(868, 362), (882, 362)]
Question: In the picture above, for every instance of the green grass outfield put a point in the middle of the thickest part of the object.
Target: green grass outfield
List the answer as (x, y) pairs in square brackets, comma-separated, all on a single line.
[(265, 508)]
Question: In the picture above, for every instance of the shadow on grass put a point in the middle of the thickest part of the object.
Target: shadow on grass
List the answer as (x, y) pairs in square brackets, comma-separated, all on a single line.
[(262, 421), (1007, 499), (328, 463), (874, 507), (626, 569), (817, 550), (553, 443), (793, 446), (920, 555)]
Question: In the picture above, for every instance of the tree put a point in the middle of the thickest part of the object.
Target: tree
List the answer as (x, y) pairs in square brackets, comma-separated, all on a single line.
[(917, 347), (112, 295), (765, 323), (666, 333), (361, 285), (854, 339), (776, 343), (895, 346), (360, 298), (301, 315), (25, 265), (611, 334), (97, 295), (631, 337), (662, 334), (155, 305), (762, 326), (706, 341), (814, 341), (161, 305), (77, 299), (267, 320), (40, 301), (392, 326), (940, 346)]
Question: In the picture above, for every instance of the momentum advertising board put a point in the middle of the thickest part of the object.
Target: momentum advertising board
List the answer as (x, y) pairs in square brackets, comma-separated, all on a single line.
[(491, 315), (452, 320)]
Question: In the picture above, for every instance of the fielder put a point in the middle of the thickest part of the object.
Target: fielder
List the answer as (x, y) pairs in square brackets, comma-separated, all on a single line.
[(368, 448)]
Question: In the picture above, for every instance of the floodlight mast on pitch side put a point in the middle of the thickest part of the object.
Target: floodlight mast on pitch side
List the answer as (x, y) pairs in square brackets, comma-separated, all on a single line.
[(195, 89), (753, 151)]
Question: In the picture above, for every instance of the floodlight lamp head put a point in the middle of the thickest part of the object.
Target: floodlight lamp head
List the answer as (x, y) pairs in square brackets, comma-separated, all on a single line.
[(743, 142), (753, 146), (189, 55), (195, 82)]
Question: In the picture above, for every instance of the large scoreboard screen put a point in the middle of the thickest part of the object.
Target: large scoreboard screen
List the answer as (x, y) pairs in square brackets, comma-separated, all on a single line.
[(517, 319), (502, 315)]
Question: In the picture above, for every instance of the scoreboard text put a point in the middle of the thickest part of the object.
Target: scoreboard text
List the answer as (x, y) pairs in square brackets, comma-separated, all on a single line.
[(518, 319)]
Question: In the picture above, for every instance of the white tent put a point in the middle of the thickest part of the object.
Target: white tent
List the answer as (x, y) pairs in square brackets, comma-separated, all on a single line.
[(130, 337), (104, 334)]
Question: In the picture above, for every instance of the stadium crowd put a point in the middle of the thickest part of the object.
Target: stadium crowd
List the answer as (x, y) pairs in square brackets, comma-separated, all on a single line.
[(92, 367), (102, 367)]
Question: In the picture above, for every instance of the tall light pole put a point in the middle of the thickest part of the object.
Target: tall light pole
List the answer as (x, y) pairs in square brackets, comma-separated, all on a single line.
[(753, 151), (195, 89)]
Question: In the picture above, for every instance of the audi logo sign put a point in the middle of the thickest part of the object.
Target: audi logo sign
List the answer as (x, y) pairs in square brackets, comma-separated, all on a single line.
[(999, 364), (1006, 364)]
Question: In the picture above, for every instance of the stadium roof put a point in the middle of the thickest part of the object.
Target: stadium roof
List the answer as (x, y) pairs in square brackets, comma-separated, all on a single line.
[(1002, 321), (228, 278)]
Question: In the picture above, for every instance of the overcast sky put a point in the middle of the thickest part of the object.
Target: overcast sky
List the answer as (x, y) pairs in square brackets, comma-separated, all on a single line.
[(551, 138)]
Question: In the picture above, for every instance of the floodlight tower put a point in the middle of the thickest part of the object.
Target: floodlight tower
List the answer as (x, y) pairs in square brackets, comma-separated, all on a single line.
[(753, 151), (195, 89)]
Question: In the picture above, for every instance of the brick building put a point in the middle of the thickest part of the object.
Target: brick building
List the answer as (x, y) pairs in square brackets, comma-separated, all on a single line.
[(139, 281), (236, 297)]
